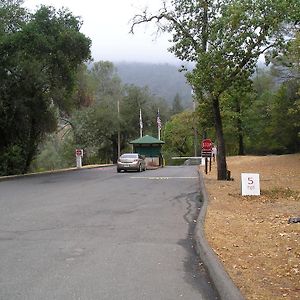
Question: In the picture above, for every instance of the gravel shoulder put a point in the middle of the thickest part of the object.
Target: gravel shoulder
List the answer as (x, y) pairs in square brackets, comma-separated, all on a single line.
[(251, 234)]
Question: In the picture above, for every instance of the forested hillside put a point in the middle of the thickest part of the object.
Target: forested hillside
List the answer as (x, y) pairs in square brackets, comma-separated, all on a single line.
[(163, 80)]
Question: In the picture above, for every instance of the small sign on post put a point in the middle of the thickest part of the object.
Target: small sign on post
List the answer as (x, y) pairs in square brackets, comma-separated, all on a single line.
[(206, 147), (79, 155), (206, 151), (250, 184)]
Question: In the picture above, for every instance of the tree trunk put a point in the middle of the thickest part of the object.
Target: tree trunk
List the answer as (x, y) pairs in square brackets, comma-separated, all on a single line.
[(115, 149), (221, 154), (31, 147), (241, 144), (240, 129)]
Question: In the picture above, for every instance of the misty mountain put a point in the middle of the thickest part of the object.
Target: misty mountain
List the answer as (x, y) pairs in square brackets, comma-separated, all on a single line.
[(163, 80)]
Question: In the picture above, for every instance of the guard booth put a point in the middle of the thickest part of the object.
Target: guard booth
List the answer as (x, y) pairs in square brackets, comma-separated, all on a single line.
[(150, 147)]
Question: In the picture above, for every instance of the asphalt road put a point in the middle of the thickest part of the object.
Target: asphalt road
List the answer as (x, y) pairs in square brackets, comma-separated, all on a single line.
[(97, 234)]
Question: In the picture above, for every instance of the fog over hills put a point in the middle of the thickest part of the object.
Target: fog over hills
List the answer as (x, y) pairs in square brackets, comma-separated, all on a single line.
[(163, 80)]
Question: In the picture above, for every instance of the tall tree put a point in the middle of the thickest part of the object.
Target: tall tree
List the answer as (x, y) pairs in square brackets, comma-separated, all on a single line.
[(95, 127), (177, 105), (106, 81), (271, 118), (236, 103), (39, 57), (285, 118), (178, 135), (225, 39), (84, 95)]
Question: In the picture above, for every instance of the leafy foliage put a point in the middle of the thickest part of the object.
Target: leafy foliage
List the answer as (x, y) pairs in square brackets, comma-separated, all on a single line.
[(39, 57), (96, 127), (225, 39), (179, 135), (273, 125), (54, 153)]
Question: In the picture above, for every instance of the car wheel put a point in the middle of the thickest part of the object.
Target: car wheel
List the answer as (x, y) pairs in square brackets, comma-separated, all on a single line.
[(118, 170)]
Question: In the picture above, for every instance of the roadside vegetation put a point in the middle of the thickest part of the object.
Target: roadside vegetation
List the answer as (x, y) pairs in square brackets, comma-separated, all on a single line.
[(54, 99)]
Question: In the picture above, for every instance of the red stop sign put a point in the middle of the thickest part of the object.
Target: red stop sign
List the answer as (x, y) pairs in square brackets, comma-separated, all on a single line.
[(207, 145), (79, 152)]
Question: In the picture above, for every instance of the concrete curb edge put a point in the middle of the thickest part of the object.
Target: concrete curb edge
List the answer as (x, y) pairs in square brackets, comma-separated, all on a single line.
[(222, 281), (11, 177)]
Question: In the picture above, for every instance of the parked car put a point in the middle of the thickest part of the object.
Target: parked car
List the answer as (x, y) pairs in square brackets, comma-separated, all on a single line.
[(131, 161)]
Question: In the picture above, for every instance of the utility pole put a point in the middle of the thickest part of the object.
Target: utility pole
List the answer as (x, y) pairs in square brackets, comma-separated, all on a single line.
[(195, 131), (195, 125), (119, 134)]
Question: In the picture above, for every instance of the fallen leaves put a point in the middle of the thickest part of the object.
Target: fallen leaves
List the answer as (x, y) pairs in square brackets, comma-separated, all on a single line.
[(251, 235)]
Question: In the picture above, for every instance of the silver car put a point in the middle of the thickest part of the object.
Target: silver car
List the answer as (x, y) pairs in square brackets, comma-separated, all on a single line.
[(131, 161)]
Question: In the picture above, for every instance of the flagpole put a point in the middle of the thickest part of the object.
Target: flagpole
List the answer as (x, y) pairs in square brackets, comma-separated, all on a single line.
[(158, 123), (141, 124)]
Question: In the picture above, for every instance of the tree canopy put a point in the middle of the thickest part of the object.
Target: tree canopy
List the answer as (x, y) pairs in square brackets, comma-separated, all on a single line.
[(96, 127), (39, 57), (225, 39)]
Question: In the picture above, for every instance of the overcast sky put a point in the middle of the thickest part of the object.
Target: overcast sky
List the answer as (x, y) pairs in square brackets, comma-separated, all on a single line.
[(107, 24)]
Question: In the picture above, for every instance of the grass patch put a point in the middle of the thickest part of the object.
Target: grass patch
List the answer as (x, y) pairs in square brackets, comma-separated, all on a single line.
[(277, 193)]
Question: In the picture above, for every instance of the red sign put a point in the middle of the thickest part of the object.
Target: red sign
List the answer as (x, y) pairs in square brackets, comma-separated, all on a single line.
[(207, 145), (79, 152), (206, 148)]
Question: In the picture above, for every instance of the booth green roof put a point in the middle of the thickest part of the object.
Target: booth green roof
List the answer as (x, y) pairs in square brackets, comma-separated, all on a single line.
[(147, 139)]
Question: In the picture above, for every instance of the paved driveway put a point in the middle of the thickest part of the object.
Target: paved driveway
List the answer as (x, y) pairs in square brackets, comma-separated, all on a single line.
[(97, 234)]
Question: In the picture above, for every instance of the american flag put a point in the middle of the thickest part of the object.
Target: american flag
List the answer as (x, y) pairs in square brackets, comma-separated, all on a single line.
[(158, 120)]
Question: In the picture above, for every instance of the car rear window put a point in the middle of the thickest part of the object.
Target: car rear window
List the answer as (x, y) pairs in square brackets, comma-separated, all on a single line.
[(129, 156)]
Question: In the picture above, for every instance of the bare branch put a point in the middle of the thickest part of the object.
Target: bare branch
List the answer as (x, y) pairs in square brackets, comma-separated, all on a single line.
[(68, 122), (66, 133), (163, 15)]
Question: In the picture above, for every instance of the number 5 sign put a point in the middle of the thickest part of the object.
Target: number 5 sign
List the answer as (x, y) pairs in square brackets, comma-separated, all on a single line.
[(250, 184)]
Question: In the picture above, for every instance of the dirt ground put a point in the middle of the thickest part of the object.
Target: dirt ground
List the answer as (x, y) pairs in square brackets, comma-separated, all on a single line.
[(251, 235)]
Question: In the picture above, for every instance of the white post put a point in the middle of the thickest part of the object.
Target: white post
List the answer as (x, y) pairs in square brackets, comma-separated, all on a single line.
[(79, 155), (78, 162)]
